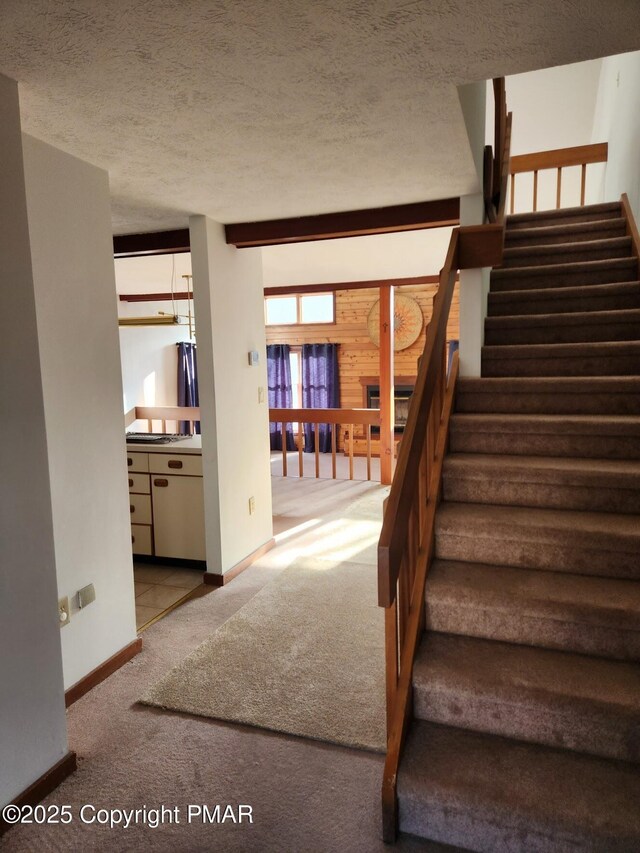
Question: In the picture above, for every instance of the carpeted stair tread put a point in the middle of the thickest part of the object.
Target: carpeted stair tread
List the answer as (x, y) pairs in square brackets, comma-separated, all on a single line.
[(560, 233), (566, 300), (576, 327), (564, 216), (588, 485), (544, 696), (492, 794), (605, 271), (590, 615), (599, 358), (598, 473), (619, 395), (594, 543), (582, 436), (566, 252)]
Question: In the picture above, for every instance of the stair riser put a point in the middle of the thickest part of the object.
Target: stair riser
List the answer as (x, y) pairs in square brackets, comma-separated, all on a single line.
[(570, 278), (526, 258), (621, 302), (595, 365), (513, 626), (542, 495), (570, 334), (579, 726), (535, 444), (544, 220), (517, 239), (571, 557), (548, 403)]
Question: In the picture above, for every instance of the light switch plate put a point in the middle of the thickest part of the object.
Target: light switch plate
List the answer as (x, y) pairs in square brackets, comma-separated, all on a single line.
[(254, 358), (252, 505), (261, 394), (86, 595)]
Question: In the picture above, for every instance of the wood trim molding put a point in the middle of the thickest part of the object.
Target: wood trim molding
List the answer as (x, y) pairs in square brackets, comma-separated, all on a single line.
[(354, 223), (213, 579), (43, 786), (164, 296), (153, 243), (100, 673)]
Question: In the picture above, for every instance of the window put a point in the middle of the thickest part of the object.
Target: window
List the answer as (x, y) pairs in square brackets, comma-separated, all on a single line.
[(299, 308)]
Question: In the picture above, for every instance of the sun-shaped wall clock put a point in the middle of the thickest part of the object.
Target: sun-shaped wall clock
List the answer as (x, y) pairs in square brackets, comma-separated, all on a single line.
[(407, 319)]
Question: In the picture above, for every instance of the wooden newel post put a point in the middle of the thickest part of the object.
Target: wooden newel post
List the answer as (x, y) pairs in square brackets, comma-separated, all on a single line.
[(387, 392)]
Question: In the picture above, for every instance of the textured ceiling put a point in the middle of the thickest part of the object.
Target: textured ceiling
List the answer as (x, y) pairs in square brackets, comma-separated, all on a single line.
[(247, 110)]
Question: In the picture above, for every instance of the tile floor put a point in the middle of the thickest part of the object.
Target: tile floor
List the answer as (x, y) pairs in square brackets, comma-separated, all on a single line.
[(159, 588)]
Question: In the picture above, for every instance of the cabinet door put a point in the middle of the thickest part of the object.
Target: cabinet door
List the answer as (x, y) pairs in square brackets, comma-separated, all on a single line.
[(178, 517)]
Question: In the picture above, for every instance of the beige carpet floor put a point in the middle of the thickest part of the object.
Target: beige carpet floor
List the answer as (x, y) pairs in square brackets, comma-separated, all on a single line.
[(306, 655)]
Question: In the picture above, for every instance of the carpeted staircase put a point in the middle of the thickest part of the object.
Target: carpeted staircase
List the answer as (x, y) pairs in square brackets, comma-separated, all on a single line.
[(526, 689)]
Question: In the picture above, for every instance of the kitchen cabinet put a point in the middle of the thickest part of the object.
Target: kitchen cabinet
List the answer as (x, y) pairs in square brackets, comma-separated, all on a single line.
[(166, 503)]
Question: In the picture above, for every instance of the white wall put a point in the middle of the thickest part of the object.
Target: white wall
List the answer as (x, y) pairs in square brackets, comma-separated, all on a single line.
[(149, 356), (402, 255), (617, 120), (71, 248), (32, 731), (552, 108), (235, 427)]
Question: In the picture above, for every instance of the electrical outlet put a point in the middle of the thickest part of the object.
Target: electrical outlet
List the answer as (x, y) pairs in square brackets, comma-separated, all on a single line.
[(64, 614), (252, 505), (261, 394)]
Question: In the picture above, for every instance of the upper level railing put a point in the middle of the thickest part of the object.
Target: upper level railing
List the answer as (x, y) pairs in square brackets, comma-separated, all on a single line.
[(333, 418), (555, 160)]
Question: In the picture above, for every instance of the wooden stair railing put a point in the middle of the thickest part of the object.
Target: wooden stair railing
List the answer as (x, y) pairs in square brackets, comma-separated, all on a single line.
[(558, 159), (406, 545)]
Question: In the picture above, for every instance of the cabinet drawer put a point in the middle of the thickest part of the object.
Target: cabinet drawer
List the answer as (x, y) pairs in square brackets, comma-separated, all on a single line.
[(140, 509), (186, 464), (141, 539), (139, 483), (138, 461)]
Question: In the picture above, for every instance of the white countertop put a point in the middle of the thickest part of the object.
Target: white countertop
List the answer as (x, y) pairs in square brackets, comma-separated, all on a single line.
[(185, 445)]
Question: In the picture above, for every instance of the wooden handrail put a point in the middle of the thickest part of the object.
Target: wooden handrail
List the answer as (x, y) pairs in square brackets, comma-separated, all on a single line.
[(407, 539), (559, 157), (325, 416), (396, 519)]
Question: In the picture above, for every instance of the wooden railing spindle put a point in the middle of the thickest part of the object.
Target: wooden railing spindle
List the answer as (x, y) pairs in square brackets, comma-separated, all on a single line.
[(334, 442), (559, 188), (583, 183), (535, 190), (351, 452), (317, 449), (283, 441), (368, 451), (300, 449)]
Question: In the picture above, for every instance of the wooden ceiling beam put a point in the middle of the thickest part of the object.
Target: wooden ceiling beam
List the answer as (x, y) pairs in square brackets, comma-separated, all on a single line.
[(354, 223), (153, 243)]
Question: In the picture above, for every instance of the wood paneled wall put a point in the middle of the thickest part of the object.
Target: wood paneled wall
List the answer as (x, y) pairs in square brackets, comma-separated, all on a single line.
[(357, 355)]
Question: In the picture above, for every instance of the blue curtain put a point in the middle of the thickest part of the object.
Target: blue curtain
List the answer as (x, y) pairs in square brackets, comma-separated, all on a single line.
[(279, 391), (187, 381), (320, 389)]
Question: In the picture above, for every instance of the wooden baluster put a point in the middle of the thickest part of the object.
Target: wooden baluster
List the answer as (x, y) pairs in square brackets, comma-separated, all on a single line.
[(300, 449), (513, 193), (404, 598), (368, 451), (391, 656), (283, 440), (149, 426), (559, 188), (334, 442), (164, 426), (583, 183), (351, 452), (535, 190), (317, 450)]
